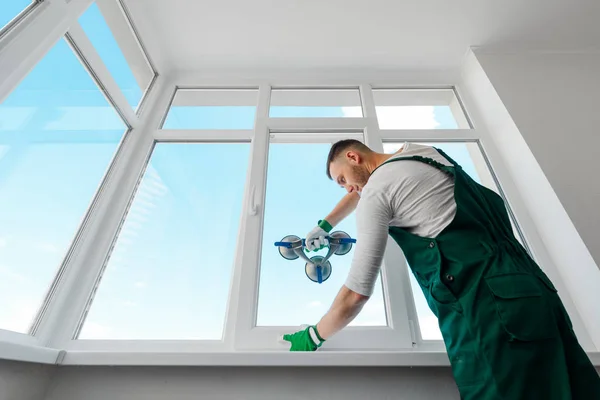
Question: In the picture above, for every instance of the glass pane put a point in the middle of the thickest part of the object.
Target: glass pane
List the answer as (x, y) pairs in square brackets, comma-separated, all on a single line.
[(313, 103), (418, 109), (470, 158), (10, 9), (286, 296), (212, 109), (117, 57), (58, 135), (168, 276)]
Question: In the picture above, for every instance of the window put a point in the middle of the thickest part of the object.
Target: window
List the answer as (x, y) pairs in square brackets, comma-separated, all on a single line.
[(168, 276), (315, 103), (58, 135), (110, 34), (212, 109), (10, 11), (418, 109), (298, 195)]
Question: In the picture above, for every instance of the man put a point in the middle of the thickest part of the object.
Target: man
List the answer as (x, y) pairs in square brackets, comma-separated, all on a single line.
[(505, 329)]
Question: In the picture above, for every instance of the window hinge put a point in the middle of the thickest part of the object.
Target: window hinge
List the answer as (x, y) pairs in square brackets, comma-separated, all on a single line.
[(61, 357), (413, 333)]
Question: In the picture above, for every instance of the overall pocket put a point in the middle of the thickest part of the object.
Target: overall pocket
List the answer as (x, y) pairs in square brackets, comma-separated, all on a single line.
[(521, 306)]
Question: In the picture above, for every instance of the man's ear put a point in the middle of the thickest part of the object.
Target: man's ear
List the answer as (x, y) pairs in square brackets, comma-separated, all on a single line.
[(353, 157)]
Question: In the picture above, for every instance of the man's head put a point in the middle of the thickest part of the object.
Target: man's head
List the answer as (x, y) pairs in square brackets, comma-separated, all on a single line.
[(346, 164)]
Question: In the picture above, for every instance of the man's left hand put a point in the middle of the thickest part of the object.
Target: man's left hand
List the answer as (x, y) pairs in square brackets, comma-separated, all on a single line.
[(305, 340)]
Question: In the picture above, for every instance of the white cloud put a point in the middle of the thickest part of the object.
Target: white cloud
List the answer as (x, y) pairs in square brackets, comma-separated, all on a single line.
[(3, 242), (372, 314), (156, 187), (430, 329), (315, 304), (124, 241), (129, 303), (93, 330), (140, 284), (20, 316), (403, 117), (8, 273), (352, 112), (143, 205)]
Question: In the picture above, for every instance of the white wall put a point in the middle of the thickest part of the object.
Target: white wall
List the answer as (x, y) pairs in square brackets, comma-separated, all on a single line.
[(554, 99), (538, 111), (249, 383), (24, 381)]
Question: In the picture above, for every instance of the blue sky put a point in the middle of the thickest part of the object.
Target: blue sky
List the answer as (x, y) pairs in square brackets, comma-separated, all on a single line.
[(169, 274)]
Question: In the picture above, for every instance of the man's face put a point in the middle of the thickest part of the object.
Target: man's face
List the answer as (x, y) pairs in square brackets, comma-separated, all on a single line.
[(349, 172)]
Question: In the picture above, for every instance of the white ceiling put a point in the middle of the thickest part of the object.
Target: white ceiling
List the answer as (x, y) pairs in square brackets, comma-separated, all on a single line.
[(395, 34)]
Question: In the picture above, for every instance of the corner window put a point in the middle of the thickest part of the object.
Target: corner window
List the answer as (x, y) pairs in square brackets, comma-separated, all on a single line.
[(58, 135)]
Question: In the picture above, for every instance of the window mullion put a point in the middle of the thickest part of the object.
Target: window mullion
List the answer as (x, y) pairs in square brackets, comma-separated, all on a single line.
[(302, 125), (200, 135), (440, 135), (314, 137)]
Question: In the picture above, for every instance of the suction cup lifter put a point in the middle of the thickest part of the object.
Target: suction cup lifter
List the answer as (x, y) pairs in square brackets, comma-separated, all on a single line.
[(317, 268)]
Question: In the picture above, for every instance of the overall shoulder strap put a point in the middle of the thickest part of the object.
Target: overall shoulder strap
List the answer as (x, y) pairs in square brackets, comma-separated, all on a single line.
[(426, 160), (447, 157)]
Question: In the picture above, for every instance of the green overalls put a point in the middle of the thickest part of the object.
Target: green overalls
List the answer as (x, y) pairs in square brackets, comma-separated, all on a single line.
[(505, 329)]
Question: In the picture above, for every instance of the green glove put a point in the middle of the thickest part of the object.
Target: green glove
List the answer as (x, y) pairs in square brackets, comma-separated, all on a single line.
[(305, 340)]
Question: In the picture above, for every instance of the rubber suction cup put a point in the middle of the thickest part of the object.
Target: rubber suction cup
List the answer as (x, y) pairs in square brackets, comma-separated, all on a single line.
[(342, 248), (317, 271), (287, 252)]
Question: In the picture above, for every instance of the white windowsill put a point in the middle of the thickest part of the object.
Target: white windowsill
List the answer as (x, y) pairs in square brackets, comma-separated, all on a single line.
[(275, 358), (323, 357), (28, 353)]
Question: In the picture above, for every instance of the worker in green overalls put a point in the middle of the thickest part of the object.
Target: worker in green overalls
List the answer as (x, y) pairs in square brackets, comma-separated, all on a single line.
[(506, 332)]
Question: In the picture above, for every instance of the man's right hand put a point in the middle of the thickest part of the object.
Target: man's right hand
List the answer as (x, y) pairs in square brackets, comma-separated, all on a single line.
[(317, 238)]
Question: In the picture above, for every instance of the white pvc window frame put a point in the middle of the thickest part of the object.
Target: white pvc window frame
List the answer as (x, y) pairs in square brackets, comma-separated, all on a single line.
[(23, 43), (240, 331)]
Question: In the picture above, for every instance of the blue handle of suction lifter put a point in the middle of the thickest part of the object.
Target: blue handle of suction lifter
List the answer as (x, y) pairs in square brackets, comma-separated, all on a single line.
[(289, 244)]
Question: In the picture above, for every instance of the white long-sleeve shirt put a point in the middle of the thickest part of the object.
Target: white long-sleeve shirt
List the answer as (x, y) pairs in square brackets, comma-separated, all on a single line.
[(409, 194)]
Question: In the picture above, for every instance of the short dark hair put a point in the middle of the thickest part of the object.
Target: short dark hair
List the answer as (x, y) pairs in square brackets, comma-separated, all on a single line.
[(341, 146)]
